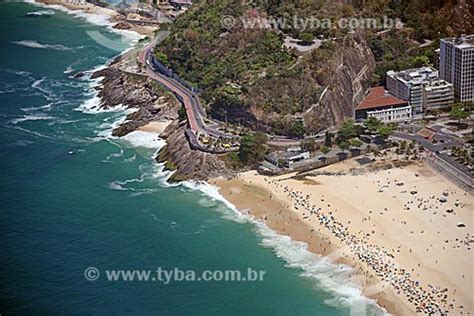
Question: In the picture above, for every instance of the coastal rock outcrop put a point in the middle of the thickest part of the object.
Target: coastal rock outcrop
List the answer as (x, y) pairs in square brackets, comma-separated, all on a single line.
[(122, 26), (153, 103), (135, 91), (188, 163)]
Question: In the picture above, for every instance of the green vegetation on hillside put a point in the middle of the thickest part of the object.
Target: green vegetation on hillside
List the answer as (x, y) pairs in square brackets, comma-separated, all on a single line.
[(252, 148), (249, 77)]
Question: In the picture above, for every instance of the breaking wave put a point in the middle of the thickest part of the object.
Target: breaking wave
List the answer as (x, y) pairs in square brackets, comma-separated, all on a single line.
[(37, 45), (40, 13), (333, 278)]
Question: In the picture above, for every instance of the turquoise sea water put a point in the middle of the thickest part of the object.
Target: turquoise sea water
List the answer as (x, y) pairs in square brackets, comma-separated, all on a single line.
[(106, 206)]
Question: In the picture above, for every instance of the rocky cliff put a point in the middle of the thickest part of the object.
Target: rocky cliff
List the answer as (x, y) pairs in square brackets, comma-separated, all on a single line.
[(153, 103), (352, 67), (135, 91), (187, 163)]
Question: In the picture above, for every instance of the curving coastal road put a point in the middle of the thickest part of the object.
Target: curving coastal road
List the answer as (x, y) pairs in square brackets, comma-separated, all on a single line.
[(192, 105)]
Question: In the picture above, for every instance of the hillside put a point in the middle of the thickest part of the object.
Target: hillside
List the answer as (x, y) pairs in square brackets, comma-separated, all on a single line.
[(249, 77)]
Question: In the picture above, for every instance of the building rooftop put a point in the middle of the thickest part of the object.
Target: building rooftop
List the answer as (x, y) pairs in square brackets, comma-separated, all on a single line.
[(438, 83), (416, 75), (285, 155), (462, 42), (379, 97)]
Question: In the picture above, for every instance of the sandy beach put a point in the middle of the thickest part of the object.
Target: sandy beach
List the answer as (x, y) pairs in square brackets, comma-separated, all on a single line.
[(397, 226), (155, 127)]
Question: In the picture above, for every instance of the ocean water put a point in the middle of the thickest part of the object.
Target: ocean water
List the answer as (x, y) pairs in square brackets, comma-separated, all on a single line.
[(74, 197)]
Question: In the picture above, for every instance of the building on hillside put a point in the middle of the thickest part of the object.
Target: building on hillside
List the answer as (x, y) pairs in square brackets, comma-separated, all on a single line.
[(380, 104), (181, 4), (456, 65), (419, 86), (286, 158)]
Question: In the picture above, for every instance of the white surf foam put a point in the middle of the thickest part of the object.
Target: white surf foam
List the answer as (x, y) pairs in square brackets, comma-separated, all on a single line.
[(40, 13), (333, 278), (32, 108), (68, 70), (144, 140), (25, 118), (116, 186), (112, 122), (230, 212), (35, 44)]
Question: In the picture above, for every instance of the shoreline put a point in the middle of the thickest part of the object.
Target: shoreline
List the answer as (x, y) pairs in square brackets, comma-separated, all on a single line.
[(257, 195), (318, 243), (289, 222)]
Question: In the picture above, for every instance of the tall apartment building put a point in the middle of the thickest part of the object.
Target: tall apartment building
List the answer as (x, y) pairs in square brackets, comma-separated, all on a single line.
[(422, 88), (456, 65)]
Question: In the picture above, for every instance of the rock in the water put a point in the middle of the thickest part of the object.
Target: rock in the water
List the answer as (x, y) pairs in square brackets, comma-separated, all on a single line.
[(122, 26)]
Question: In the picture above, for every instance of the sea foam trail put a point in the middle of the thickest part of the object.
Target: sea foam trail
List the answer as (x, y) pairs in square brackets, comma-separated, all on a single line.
[(35, 44), (25, 118), (40, 13), (333, 278)]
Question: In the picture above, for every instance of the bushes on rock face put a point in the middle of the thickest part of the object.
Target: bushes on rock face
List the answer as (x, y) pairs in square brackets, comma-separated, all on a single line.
[(162, 58), (306, 38), (182, 114)]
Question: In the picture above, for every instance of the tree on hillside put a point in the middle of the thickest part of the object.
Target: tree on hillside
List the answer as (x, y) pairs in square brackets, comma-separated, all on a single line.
[(325, 150), (348, 130), (253, 148), (309, 144), (356, 143), (162, 58), (328, 139), (458, 113), (385, 131), (419, 61), (306, 38), (297, 129), (182, 114), (372, 124), (344, 145)]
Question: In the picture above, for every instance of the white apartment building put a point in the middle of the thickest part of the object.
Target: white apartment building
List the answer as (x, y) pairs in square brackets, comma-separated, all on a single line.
[(438, 94), (422, 88), (393, 115), (456, 65)]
